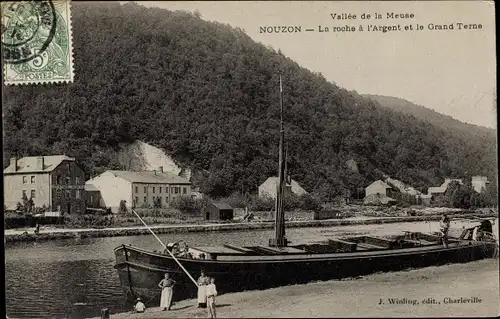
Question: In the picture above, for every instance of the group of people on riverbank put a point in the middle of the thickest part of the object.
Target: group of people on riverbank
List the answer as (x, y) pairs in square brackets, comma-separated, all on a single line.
[(207, 291)]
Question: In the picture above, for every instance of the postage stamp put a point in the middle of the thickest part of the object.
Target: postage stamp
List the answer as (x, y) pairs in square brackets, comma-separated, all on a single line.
[(36, 42)]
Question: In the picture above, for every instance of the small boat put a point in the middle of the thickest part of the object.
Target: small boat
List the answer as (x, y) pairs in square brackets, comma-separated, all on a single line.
[(283, 263)]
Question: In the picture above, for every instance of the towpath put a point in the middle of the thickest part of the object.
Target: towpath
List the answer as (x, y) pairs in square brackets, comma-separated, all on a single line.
[(476, 283)]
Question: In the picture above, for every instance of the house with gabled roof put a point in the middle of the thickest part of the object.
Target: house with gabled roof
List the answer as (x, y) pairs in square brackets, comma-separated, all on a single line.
[(377, 187), (139, 189), (269, 188), (56, 182)]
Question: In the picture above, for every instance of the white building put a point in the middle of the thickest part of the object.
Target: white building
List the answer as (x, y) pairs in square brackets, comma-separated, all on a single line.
[(377, 187), (139, 189), (479, 183), (269, 188)]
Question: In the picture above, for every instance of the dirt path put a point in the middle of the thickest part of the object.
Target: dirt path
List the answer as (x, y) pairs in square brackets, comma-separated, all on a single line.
[(361, 297)]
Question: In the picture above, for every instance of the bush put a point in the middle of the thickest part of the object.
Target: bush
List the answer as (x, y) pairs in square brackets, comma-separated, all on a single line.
[(237, 200), (309, 202), (123, 207), (261, 203), (81, 221), (189, 205), (290, 201), (157, 202)]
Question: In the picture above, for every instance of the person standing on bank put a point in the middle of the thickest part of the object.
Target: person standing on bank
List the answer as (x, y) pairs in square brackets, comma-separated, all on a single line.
[(202, 284), (444, 226), (167, 287), (211, 291)]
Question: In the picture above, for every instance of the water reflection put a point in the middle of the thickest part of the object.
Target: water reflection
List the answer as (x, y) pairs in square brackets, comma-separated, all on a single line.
[(75, 278)]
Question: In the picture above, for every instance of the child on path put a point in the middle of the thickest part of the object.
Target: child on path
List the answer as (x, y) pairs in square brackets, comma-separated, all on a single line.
[(211, 291)]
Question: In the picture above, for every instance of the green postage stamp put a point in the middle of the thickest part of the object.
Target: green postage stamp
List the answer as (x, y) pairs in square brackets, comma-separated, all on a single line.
[(36, 42)]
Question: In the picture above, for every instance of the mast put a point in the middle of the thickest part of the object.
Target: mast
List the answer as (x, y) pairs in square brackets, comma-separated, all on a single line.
[(280, 240)]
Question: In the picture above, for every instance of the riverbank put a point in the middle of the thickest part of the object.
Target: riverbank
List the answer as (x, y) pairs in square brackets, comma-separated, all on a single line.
[(27, 234), (477, 283)]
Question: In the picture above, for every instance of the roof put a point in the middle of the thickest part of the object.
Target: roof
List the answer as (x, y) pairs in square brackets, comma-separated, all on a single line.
[(273, 180), (381, 183), (436, 190), (150, 177), (221, 205), (425, 195), (91, 188), (28, 164)]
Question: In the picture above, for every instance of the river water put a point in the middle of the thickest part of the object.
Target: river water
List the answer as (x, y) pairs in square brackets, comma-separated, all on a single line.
[(75, 278)]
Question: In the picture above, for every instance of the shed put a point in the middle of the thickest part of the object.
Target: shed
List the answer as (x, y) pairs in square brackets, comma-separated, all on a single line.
[(218, 211)]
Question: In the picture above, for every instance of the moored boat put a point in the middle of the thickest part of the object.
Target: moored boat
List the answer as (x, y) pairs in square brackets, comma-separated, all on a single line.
[(260, 267)]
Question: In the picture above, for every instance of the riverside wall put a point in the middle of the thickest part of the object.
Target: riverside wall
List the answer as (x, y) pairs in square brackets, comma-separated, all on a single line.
[(227, 226)]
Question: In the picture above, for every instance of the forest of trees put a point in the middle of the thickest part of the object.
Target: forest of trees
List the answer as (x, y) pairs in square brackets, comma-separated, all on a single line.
[(208, 95)]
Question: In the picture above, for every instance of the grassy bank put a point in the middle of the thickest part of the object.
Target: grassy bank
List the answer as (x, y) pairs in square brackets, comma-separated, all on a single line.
[(47, 234), (361, 297)]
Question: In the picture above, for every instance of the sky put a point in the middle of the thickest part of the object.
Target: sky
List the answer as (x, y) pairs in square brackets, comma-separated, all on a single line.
[(452, 71)]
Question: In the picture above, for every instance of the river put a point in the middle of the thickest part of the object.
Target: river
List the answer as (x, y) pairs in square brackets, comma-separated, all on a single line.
[(75, 278)]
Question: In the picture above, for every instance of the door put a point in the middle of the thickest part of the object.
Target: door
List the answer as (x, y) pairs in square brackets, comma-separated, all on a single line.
[(207, 215)]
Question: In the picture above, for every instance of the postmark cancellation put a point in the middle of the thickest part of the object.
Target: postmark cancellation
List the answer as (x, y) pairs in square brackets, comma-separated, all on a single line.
[(37, 42)]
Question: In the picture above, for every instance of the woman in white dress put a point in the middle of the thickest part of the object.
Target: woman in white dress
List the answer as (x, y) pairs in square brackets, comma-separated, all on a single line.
[(202, 297), (167, 287)]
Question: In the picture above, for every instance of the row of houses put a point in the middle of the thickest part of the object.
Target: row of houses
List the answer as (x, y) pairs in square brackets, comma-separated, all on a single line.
[(380, 192), (58, 182)]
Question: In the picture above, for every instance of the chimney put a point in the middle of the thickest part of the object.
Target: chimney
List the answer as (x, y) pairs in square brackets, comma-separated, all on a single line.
[(13, 162), (154, 171), (160, 169), (39, 162)]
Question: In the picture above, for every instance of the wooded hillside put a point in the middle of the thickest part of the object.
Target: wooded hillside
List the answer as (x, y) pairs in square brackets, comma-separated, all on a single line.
[(208, 95)]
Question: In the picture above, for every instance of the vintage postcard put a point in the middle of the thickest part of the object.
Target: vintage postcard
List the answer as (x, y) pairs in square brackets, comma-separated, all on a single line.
[(36, 42), (256, 159)]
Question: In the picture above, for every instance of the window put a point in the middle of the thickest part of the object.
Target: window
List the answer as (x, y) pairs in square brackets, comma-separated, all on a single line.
[(77, 180), (77, 195), (137, 190), (32, 194), (136, 202), (25, 194), (166, 190), (159, 201), (25, 179), (177, 190), (184, 190), (160, 190), (145, 189), (153, 190), (91, 199), (68, 180), (69, 167), (58, 180), (145, 200), (32, 179)]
